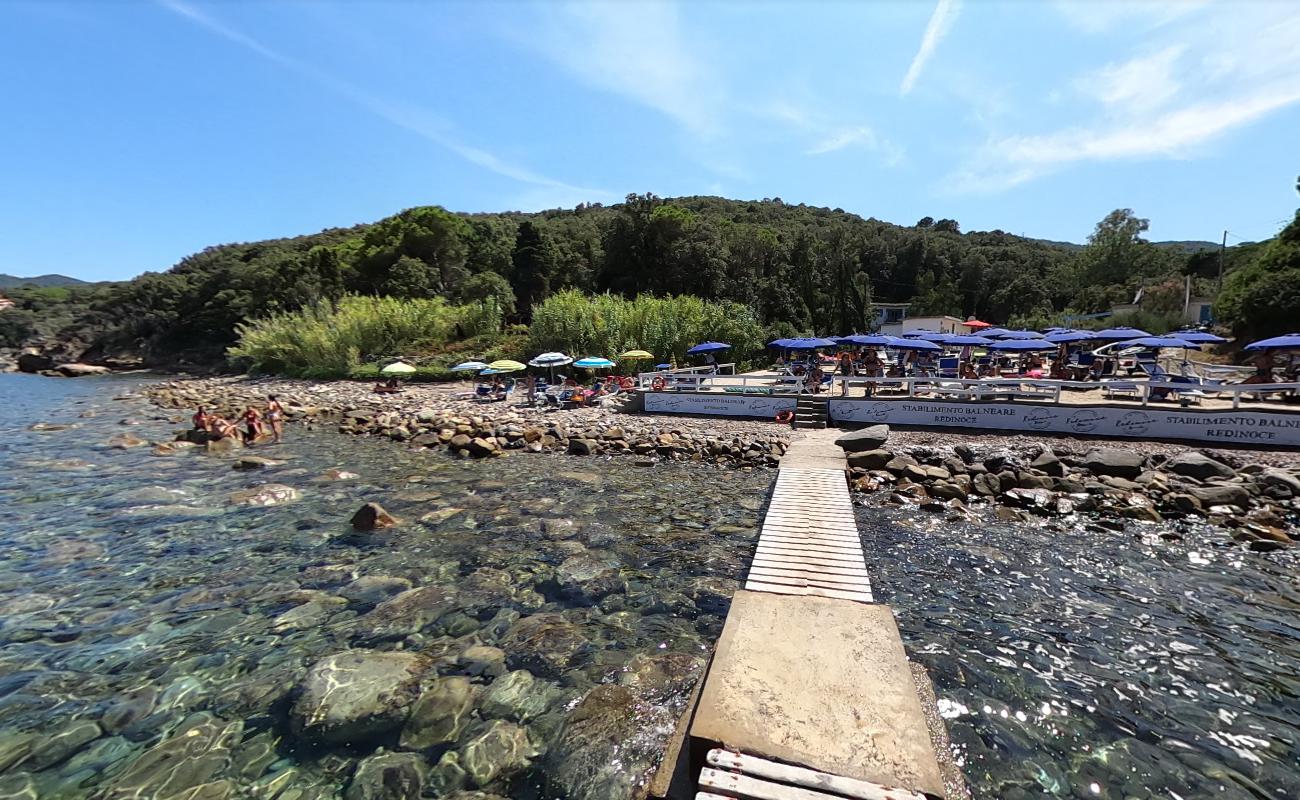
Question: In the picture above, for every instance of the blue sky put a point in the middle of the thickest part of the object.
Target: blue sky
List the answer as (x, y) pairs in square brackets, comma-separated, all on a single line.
[(138, 132)]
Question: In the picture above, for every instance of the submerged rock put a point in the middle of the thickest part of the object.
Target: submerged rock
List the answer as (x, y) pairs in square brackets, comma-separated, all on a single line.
[(518, 696), (441, 713), (388, 776), (180, 765), (351, 696), (544, 644), (501, 750), (407, 613), (268, 494), (609, 745)]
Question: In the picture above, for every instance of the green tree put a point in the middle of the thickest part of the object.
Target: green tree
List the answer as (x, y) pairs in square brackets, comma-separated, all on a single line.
[(489, 288), (534, 264), (1263, 298)]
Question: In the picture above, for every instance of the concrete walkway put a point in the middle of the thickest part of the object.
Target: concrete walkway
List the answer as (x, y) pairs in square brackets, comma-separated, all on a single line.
[(808, 672)]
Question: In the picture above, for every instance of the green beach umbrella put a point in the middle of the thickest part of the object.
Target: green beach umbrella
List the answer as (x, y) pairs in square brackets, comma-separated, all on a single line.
[(398, 368)]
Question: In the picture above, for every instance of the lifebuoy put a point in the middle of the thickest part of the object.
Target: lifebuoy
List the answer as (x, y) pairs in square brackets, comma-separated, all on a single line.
[(658, 384), (784, 416)]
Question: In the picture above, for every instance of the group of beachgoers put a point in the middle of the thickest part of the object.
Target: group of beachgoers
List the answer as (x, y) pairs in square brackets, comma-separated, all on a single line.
[(256, 423)]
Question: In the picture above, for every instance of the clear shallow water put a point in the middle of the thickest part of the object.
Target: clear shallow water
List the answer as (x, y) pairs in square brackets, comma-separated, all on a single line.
[(139, 606), (1101, 665)]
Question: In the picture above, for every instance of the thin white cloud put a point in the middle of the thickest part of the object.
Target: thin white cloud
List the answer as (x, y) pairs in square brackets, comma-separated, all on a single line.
[(1208, 78), (945, 14), (1095, 16), (861, 137), (419, 121), (637, 50)]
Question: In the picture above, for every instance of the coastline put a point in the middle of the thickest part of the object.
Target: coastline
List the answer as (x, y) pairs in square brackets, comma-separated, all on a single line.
[(431, 415)]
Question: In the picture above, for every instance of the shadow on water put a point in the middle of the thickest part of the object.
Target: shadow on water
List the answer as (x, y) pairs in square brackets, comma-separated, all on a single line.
[(1082, 663)]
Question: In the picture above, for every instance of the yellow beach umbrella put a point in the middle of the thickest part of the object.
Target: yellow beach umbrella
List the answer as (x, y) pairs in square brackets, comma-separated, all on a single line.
[(506, 365), (633, 354)]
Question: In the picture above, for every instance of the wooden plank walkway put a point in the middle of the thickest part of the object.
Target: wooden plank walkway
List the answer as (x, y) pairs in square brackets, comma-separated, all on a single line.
[(809, 543), (809, 693)]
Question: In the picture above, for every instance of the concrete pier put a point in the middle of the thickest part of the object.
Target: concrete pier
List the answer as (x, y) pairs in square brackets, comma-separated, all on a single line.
[(809, 694)]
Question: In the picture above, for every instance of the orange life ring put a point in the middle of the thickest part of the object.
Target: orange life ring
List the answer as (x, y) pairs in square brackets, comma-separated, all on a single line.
[(658, 384), (784, 416)]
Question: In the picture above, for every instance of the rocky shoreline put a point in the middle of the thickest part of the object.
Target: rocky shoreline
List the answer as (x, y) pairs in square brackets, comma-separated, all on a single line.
[(1258, 502), (1255, 495), (435, 416)]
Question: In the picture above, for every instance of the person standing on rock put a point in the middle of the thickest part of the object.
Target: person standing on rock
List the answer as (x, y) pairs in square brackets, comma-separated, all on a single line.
[(275, 417), (253, 421)]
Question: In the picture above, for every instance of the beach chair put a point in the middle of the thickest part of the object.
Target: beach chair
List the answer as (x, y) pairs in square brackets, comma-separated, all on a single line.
[(1113, 390), (948, 367)]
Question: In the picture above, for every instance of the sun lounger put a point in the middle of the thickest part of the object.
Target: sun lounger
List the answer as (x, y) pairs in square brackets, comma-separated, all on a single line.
[(1121, 389)]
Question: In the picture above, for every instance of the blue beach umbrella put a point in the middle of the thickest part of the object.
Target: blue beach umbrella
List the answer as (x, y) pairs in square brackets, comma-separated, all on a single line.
[(1119, 334), (966, 340), (780, 344), (1288, 341), (1200, 337), (866, 340), (993, 333), (1158, 342), (899, 343), (1016, 335), (708, 347), (809, 343), (469, 366), (1067, 337), (1022, 345), (594, 362), (663, 366)]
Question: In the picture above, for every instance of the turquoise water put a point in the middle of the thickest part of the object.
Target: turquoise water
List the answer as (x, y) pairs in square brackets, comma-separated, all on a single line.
[(153, 634)]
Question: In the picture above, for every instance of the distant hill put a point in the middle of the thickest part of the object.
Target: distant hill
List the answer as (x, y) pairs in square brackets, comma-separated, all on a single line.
[(10, 281), (1186, 248)]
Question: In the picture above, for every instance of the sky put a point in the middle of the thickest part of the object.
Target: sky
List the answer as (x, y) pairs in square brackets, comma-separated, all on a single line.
[(135, 132)]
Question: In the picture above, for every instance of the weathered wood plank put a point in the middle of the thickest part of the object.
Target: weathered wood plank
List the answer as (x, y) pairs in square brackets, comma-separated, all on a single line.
[(801, 776), (744, 786)]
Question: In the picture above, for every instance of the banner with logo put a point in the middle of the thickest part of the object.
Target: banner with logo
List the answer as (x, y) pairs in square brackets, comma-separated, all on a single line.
[(731, 405), (1222, 427)]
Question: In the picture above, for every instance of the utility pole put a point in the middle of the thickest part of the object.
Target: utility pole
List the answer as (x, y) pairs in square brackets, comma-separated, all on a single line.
[(1222, 248)]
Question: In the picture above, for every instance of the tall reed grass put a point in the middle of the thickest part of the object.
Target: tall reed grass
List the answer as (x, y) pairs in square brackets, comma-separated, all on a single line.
[(331, 339), (606, 325)]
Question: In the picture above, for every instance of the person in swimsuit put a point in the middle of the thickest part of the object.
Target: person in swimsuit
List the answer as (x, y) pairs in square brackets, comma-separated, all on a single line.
[(253, 422), (275, 417), (221, 427), (202, 420)]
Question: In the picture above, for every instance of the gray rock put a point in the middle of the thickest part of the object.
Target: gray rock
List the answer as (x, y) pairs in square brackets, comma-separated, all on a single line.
[(589, 576), (441, 714), (1280, 479), (180, 765), (1220, 494), (371, 590), (372, 516), (1198, 465), (482, 660), (1048, 462), (544, 644), (602, 751), (872, 437), (1114, 462), (62, 743), (388, 776), (518, 696), (870, 459), (351, 696), (501, 750), (407, 613)]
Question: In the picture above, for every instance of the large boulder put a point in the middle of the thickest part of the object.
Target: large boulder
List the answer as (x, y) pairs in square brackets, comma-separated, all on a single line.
[(1048, 463), (1198, 465), (34, 362), (388, 776), (872, 437), (80, 370), (1221, 494), (352, 696), (441, 713), (1114, 462), (870, 459), (1277, 479)]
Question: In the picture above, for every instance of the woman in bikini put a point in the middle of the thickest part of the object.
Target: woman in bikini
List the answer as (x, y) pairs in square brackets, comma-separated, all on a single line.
[(275, 417), (253, 421)]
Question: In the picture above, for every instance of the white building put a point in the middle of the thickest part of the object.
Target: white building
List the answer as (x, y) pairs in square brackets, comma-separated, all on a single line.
[(942, 324)]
